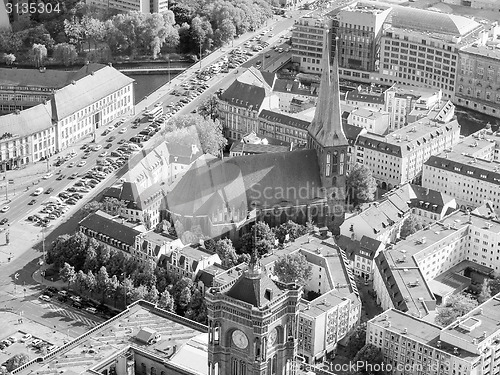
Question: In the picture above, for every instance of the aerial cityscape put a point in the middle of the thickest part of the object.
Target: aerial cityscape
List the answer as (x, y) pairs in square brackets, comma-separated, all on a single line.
[(250, 187)]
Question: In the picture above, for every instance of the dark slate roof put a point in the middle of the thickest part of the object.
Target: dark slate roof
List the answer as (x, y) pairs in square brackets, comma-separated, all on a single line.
[(207, 275), (113, 192), (365, 97), (110, 228), (34, 78), (348, 245), (268, 77), (129, 192), (244, 95), (432, 200), (466, 166), (294, 87), (352, 132), (257, 148), (284, 119), (240, 182), (251, 288), (369, 245)]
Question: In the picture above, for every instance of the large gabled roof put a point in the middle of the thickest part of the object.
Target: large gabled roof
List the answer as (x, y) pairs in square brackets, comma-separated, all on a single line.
[(100, 223), (28, 121), (87, 90)]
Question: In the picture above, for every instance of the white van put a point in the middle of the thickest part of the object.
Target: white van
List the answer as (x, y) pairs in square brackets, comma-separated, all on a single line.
[(133, 147), (38, 191)]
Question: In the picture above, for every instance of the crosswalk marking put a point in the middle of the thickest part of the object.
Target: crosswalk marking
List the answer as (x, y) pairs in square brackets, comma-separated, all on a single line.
[(68, 314)]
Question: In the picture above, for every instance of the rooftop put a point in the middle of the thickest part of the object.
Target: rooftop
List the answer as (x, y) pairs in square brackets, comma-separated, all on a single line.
[(369, 114), (28, 121), (409, 138), (492, 52), (468, 166), (181, 341), (100, 222), (252, 148), (284, 119), (404, 91)]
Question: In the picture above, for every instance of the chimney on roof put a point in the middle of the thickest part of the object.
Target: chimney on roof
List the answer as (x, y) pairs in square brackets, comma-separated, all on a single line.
[(110, 64), (405, 331), (87, 62), (73, 82), (17, 112), (438, 344), (455, 350)]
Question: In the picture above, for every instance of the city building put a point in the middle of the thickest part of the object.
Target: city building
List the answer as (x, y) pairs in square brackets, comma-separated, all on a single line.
[(143, 339), (476, 4), (289, 90), (308, 39), (253, 325), (362, 254), (287, 127), (421, 48), (110, 231), (331, 306), (79, 103), (90, 102), (478, 77), (240, 104), (470, 172), (26, 137), (151, 246), (365, 98), (468, 346), (401, 100), (398, 158), (375, 121), (143, 6), (24, 88), (188, 261), (218, 198), (360, 27), (411, 274)]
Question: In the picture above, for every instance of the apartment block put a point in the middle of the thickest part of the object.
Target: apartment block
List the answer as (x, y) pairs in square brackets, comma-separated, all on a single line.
[(307, 40), (398, 157), (470, 172), (421, 48), (411, 273), (468, 346), (375, 121), (478, 83), (359, 31)]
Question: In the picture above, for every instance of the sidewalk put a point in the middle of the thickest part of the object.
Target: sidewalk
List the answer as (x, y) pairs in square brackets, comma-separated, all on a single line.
[(45, 282)]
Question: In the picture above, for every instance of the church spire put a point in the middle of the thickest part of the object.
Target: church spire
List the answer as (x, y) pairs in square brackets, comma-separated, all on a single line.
[(326, 127)]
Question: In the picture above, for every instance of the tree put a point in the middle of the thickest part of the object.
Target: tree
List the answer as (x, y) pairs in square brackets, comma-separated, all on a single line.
[(356, 341), (209, 108), (166, 301), (91, 263), (369, 355), (225, 249), (102, 281), (494, 286), (261, 238), (211, 137), (91, 282), (81, 280), (113, 206), (66, 54), (293, 268), (9, 58), (67, 273), (138, 293), (411, 225), (456, 306), (361, 186), (485, 293), (17, 361), (290, 231), (113, 285), (93, 206), (226, 32), (152, 295)]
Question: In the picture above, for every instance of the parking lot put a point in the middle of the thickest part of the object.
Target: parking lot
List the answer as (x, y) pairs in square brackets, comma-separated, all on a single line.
[(24, 342)]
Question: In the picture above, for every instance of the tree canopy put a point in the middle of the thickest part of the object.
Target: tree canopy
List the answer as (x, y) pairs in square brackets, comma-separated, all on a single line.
[(293, 268), (411, 225), (360, 184), (456, 306), (260, 237)]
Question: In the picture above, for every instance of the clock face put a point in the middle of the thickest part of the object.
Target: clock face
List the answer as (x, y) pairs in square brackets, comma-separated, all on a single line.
[(273, 335), (240, 339)]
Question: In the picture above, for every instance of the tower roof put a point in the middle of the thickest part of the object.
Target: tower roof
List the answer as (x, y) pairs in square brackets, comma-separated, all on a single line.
[(326, 126), (255, 287)]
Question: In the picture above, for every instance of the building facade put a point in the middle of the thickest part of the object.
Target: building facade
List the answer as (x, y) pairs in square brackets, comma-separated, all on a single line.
[(143, 6), (478, 83), (399, 157), (359, 31), (375, 121), (307, 40)]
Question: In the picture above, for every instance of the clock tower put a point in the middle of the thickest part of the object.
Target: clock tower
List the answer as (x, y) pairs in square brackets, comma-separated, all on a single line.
[(326, 136), (252, 325)]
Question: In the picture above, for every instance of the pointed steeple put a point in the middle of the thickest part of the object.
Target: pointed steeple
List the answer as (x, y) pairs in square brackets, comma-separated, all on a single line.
[(326, 127)]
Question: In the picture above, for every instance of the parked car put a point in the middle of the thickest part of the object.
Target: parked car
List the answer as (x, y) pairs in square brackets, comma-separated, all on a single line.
[(32, 202), (4, 221), (5, 209), (45, 297)]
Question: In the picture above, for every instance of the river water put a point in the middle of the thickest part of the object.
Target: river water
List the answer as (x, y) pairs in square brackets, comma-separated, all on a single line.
[(469, 120)]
